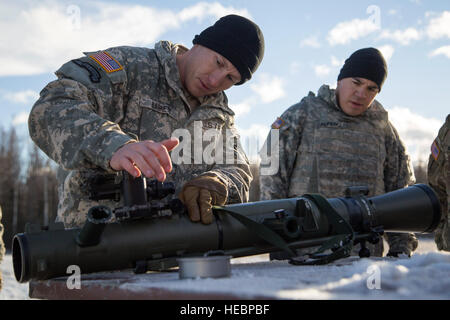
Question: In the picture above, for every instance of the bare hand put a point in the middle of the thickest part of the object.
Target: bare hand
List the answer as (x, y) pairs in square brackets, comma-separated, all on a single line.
[(146, 157)]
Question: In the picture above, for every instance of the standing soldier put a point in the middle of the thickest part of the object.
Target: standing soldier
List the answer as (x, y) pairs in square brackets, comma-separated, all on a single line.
[(117, 109), (342, 138), (439, 179)]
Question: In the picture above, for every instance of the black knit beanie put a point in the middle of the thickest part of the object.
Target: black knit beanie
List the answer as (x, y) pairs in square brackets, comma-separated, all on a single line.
[(237, 39), (367, 63)]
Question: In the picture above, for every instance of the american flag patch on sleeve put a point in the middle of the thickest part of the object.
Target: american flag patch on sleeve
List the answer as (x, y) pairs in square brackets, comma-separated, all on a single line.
[(277, 123), (435, 150), (107, 62)]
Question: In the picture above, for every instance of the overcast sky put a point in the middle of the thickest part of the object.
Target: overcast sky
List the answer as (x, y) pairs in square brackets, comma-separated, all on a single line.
[(306, 45)]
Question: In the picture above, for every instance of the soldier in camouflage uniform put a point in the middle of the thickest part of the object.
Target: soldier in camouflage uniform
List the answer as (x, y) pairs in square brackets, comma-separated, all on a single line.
[(342, 138), (117, 109), (439, 179)]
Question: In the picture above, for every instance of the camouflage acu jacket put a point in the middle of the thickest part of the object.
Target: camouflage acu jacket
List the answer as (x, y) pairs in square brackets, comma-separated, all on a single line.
[(121, 95), (323, 150), (439, 179)]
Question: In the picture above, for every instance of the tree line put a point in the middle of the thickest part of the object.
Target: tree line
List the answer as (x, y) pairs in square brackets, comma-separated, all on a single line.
[(29, 191)]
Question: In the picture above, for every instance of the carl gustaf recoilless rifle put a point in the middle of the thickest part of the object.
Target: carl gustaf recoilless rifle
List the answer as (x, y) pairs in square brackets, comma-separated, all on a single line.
[(147, 233)]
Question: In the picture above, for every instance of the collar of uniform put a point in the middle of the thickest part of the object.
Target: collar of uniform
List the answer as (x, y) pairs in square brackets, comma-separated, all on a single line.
[(329, 95), (193, 102), (375, 111), (166, 52)]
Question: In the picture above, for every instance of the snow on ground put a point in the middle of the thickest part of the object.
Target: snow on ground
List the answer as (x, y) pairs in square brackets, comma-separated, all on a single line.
[(12, 290), (424, 276)]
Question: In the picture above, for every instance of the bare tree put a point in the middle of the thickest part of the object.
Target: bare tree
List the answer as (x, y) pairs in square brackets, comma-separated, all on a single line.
[(254, 186), (420, 171), (41, 189)]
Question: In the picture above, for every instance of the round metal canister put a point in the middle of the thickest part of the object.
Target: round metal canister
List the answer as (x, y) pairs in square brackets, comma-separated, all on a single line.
[(204, 267)]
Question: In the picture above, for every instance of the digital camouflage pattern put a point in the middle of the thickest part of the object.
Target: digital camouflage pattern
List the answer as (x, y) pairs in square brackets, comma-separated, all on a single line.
[(323, 150), (439, 180), (82, 118)]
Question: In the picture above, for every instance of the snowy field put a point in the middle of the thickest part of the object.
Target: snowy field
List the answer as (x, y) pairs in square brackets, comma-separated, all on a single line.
[(424, 276)]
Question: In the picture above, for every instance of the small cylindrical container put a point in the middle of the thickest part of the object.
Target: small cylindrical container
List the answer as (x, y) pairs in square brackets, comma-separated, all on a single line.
[(204, 267)]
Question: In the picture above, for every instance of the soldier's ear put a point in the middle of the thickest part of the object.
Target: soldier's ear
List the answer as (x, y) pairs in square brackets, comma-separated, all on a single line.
[(338, 89)]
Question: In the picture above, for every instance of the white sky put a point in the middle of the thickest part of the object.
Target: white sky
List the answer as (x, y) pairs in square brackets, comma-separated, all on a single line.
[(306, 45)]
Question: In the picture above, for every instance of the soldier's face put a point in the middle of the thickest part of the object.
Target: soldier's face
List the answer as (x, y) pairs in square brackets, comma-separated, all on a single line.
[(355, 95), (204, 72)]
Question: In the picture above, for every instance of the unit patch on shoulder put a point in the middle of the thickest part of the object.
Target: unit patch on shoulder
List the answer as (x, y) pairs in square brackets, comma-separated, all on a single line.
[(106, 61), (435, 151), (278, 123)]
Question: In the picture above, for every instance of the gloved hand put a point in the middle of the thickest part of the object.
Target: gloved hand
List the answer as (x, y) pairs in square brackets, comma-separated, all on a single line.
[(200, 194)]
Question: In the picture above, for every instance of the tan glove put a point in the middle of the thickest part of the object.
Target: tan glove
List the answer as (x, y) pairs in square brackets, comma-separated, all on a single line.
[(200, 194)]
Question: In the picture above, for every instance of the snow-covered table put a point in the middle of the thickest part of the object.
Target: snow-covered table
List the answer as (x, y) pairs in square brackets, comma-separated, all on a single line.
[(424, 276)]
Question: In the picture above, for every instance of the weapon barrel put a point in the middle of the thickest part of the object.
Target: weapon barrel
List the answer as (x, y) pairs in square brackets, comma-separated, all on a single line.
[(48, 254), (413, 209)]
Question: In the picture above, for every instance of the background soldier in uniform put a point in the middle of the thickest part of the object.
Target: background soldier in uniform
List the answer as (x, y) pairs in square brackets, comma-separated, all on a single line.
[(439, 179), (342, 138), (116, 109)]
